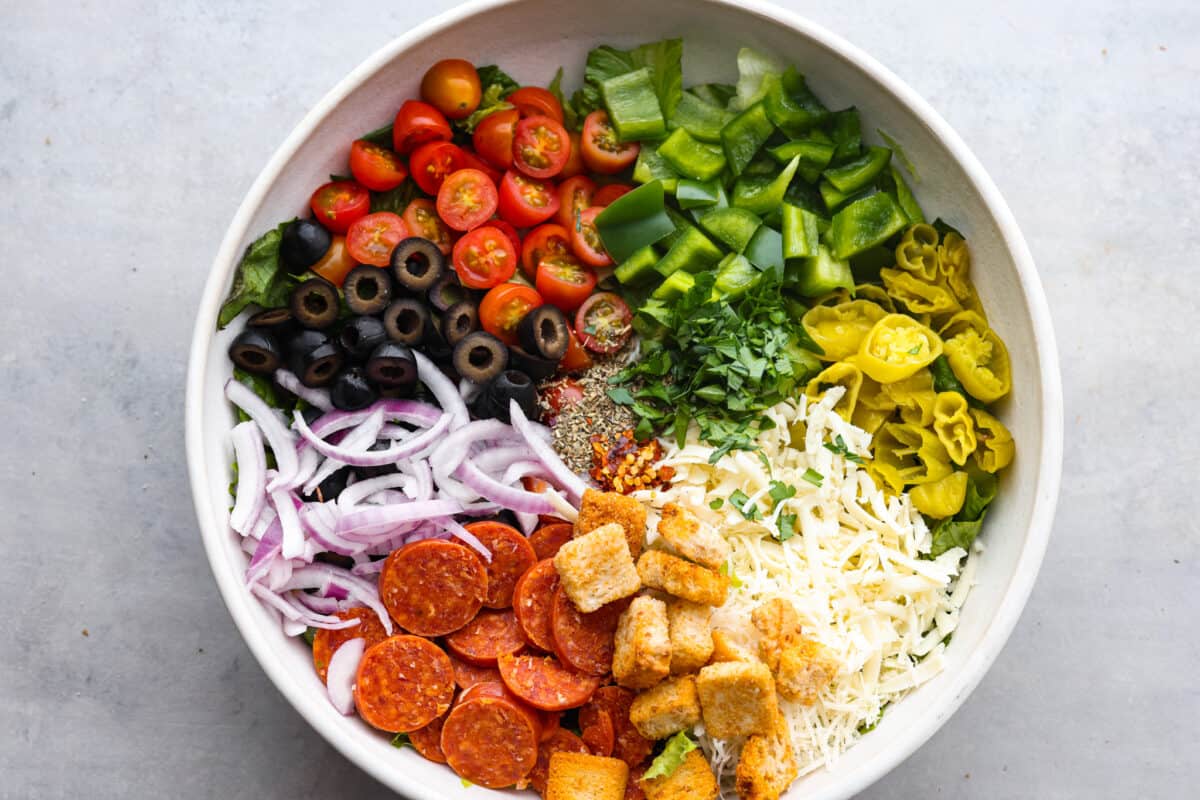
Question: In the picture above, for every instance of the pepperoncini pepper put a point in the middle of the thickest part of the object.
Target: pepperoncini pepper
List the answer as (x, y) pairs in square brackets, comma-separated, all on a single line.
[(914, 397), (918, 296), (918, 252), (896, 347), (876, 294), (840, 329), (874, 406), (954, 426), (941, 499), (845, 374), (834, 298), (977, 356), (995, 449), (908, 454)]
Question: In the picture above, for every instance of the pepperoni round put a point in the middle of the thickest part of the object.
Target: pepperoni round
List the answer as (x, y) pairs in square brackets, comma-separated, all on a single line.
[(489, 636), (544, 683), (428, 740), (585, 641), (490, 741), (403, 683), (326, 642), (511, 556), (600, 736), (485, 689), (533, 602), (547, 539), (467, 675), (432, 587), (633, 787), (560, 740), (614, 702)]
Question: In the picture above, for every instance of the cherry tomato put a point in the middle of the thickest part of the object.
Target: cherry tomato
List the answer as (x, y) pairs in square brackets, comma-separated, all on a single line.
[(526, 201), (504, 307), (466, 200), (540, 147), (338, 204), (375, 167), (560, 396), (577, 358), (605, 195), (472, 161), (534, 101), (417, 123), (452, 87), (431, 163), (509, 231), (493, 137), (336, 263), (422, 220), (574, 165), (574, 195), (585, 240), (604, 323), (371, 239), (564, 282), (484, 258), (542, 241), (601, 151)]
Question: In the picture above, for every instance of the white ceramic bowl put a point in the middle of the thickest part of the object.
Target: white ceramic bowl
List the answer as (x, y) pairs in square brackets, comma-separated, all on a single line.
[(953, 185)]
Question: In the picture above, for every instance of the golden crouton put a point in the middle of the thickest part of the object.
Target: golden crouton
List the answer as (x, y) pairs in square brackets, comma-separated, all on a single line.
[(779, 627), (675, 576), (578, 776), (804, 670), (768, 764), (737, 698), (601, 508), (668, 708), (596, 568), (642, 645), (692, 780), (691, 636), (726, 648), (696, 542)]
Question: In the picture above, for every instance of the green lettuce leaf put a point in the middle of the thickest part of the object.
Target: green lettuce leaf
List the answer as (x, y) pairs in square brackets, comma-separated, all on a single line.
[(497, 85), (570, 118), (259, 280), (491, 75), (753, 66), (966, 524), (981, 491), (715, 94), (394, 200), (671, 757), (664, 58), (380, 136)]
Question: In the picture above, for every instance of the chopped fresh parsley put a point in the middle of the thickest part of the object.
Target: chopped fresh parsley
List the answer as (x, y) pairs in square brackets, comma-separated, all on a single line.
[(401, 740), (621, 396), (786, 526), (780, 491), (716, 504), (914, 350), (739, 499), (839, 448), (813, 477)]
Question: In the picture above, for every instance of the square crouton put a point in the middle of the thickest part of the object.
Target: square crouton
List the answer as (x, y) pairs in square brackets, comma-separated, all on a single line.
[(680, 578), (601, 508), (596, 568), (700, 543), (778, 626), (693, 780), (667, 709), (767, 766), (691, 635), (578, 776), (737, 698), (804, 670), (726, 648), (642, 645)]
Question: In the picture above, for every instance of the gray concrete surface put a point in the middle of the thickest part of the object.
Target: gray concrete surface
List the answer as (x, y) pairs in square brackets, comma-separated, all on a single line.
[(128, 134)]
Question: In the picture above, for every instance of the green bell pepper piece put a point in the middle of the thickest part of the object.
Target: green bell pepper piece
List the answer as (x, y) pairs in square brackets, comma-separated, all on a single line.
[(691, 252), (690, 158), (859, 173), (699, 194), (801, 233), (834, 199), (790, 104), (676, 285), (866, 266), (633, 106), (743, 135), (682, 225), (651, 166), (864, 224), (735, 276), (702, 120), (732, 227), (634, 220), (814, 156), (765, 250), (761, 195), (638, 267), (904, 197), (819, 274), (847, 135)]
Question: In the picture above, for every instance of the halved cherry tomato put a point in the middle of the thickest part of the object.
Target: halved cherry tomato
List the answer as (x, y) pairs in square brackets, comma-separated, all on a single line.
[(534, 101), (336, 263), (526, 201), (574, 165), (605, 195), (604, 323), (431, 163), (544, 240), (422, 220), (540, 147), (375, 167), (602, 152), (493, 137), (577, 358), (452, 87), (504, 307), (574, 194), (564, 282), (509, 231), (585, 240), (484, 258), (466, 200), (562, 395), (371, 239), (417, 123), (338, 204), (472, 161)]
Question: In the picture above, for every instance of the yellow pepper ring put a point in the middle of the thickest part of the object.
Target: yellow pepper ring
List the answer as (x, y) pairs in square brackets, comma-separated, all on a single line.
[(896, 348)]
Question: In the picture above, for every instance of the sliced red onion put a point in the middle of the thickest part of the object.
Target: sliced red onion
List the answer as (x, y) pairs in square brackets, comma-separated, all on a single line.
[(252, 477), (321, 576), (353, 495), (283, 444), (481, 509), (443, 390), (310, 462), (317, 398), (412, 412), (249, 545), (527, 522), (278, 574), (534, 434), (496, 459), (562, 508), (293, 628), (455, 447), (317, 604), (319, 521), (520, 469), (468, 538), (423, 476), (356, 440), (293, 535), (367, 568), (467, 390), (339, 677), (264, 520), (265, 553), (389, 496), (507, 496), (347, 454), (380, 519)]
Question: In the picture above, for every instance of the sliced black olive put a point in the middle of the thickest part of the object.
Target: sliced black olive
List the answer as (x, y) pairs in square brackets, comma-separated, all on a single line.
[(304, 243), (535, 367), (314, 303), (544, 332), (256, 351), (351, 390), (275, 320), (368, 289), (459, 320), (512, 385), (406, 320), (391, 366), (314, 357), (345, 562), (479, 357), (417, 264), (447, 291), (331, 487), (435, 345), (359, 336)]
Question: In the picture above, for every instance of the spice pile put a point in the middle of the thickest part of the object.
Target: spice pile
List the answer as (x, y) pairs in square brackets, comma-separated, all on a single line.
[(595, 413)]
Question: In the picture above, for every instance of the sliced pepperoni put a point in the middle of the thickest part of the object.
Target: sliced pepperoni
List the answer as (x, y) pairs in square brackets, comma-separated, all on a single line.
[(533, 602), (497, 688), (558, 741), (511, 556), (600, 736), (490, 741), (428, 740), (467, 675), (326, 642), (633, 787), (585, 641), (550, 722), (544, 683), (487, 637), (432, 587), (613, 701), (403, 683), (547, 539)]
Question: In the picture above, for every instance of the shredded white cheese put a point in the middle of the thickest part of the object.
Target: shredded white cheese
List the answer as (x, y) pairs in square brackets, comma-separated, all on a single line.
[(853, 570)]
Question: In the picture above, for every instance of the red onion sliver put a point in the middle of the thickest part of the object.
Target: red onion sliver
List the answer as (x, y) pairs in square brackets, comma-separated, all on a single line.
[(443, 390), (317, 576), (520, 469), (265, 553), (252, 477), (468, 538), (317, 398), (372, 458), (507, 496), (283, 444), (353, 495), (293, 535), (533, 434), (455, 448), (528, 522), (339, 677), (318, 605), (380, 519), (367, 568), (495, 459)]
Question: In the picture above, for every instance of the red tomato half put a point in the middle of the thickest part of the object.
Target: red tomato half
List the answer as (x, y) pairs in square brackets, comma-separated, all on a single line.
[(563, 394), (526, 201), (601, 151), (542, 241), (585, 240), (452, 86), (422, 220), (484, 258), (504, 307), (336, 263), (371, 239), (564, 282), (509, 231), (574, 165), (417, 123), (338, 204), (472, 161), (431, 163), (604, 323), (466, 200), (605, 195), (540, 147), (375, 167), (574, 195), (577, 359), (534, 101), (493, 137)]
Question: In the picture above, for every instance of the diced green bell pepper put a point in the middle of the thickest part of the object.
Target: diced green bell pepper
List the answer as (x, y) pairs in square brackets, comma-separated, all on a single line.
[(699, 194), (814, 156), (682, 225), (761, 195), (633, 106), (819, 274), (847, 135), (691, 252), (733, 227), (834, 199), (790, 104), (865, 266), (691, 158), (743, 135), (735, 276), (765, 250), (634, 220), (904, 197), (676, 285), (702, 120), (859, 173), (863, 224), (651, 166), (806, 196), (801, 234), (638, 267)]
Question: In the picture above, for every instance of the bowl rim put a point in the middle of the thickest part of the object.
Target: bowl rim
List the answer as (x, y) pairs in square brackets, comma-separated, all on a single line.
[(1049, 458)]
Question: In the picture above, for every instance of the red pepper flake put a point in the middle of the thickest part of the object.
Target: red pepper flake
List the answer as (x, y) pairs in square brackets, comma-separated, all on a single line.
[(622, 464)]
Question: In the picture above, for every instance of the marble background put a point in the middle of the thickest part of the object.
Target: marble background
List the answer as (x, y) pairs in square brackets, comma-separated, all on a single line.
[(129, 132)]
